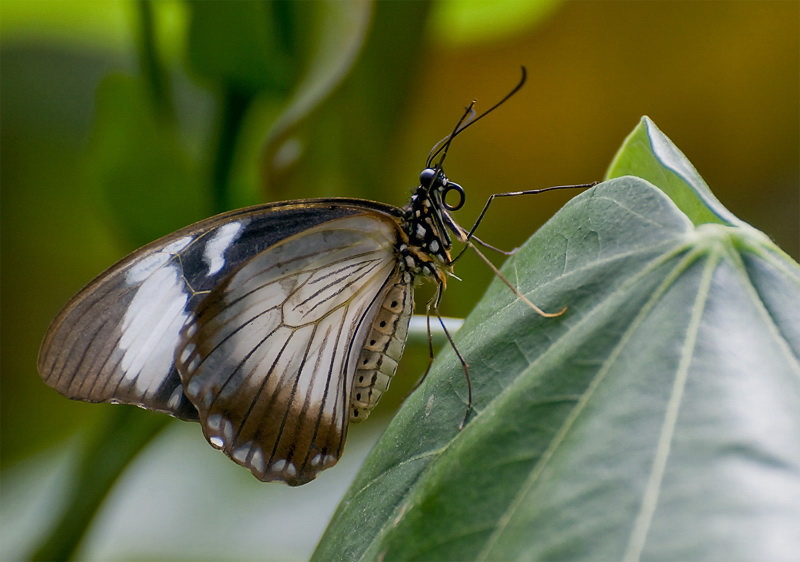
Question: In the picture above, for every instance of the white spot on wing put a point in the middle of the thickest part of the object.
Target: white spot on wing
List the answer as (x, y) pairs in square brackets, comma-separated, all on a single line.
[(194, 364), (214, 421), (227, 431), (175, 398), (219, 430), (193, 391), (257, 460), (187, 352), (148, 265), (150, 330), (178, 245), (145, 267), (224, 237), (241, 452)]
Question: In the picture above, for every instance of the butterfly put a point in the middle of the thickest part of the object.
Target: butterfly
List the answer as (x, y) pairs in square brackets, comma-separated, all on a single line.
[(273, 326)]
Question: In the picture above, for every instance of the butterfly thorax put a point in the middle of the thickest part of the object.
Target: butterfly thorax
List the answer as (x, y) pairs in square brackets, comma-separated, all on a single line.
[(426, 248)]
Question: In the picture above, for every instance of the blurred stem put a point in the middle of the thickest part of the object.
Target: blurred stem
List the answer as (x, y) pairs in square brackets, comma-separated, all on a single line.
[(233, 110), (155, 76), (124, 434)]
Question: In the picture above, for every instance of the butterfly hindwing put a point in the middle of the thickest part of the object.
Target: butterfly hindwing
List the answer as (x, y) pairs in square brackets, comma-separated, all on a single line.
[(270, 355), (116, 339)]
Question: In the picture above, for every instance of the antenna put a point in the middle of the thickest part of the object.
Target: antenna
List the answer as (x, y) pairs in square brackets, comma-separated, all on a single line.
[(467, 120)]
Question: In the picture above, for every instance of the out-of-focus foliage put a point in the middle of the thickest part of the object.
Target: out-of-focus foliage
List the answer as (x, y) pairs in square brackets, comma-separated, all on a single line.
[(362, 123), (469, 23)]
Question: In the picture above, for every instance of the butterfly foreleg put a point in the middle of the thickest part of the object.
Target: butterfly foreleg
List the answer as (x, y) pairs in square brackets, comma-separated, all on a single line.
[(471, 234)]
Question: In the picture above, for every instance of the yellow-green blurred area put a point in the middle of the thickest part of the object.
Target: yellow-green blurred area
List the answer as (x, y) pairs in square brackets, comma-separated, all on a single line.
[(83, 184)]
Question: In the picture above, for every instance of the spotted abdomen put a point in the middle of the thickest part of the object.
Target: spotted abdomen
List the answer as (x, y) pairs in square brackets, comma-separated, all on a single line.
[(383, 348)]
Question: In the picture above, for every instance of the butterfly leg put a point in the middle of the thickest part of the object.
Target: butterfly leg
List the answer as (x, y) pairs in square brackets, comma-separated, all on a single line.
[(436, 300), (492, 197)]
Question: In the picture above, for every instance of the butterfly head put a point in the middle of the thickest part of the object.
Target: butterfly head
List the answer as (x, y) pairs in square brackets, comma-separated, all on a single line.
[(427, 219)]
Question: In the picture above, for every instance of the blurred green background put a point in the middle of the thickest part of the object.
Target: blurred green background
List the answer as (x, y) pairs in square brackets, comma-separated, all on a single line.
[(97, 160)]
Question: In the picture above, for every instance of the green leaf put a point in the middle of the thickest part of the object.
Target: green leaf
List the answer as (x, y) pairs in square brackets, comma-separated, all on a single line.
[(647, 153), (658, 417)]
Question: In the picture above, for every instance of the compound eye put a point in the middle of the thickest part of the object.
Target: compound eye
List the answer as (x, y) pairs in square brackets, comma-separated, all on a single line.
[(427, 176), (452, 186)]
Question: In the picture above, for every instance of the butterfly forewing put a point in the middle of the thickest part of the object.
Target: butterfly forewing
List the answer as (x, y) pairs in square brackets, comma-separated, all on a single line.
[(270, 354)]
